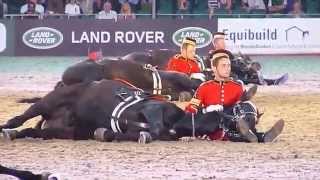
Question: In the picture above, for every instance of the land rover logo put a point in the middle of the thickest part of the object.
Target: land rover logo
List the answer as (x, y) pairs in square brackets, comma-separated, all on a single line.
[(42, 38), (201, 35)]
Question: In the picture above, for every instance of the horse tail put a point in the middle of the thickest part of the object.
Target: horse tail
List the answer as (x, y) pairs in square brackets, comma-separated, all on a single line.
[(29, 100)]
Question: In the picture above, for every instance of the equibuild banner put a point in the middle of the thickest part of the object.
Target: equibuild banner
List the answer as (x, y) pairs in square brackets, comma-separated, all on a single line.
[(272, 36), (75, 37)]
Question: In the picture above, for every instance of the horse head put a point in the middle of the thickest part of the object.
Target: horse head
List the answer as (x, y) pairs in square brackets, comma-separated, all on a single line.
[(248, 111)]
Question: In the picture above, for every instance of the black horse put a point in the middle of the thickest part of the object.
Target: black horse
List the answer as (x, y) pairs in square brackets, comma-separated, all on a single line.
[(145, 77), (124, 113), (27, 175), (243, 67), (76, 111)]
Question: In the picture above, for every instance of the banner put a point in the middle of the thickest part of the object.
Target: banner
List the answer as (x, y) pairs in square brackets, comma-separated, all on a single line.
[(6, 38), (75, 37), (272, 36)]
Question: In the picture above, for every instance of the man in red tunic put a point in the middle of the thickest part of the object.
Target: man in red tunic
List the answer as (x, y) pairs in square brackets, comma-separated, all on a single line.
[(185, 62), (223, 93)]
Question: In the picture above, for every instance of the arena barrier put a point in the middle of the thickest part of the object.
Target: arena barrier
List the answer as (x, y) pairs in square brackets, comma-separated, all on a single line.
[(74, 37)]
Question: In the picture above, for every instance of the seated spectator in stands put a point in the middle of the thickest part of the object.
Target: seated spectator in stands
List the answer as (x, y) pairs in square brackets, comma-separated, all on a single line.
[(125, 12), (183, 6), (97, 6), (86, 6), (72, 8), (254, 4), (212, 5), (277, 6), (1, 9), (55, 7), (226, 4), (134, 4), (38, 8), (297, 9), (107, 12)]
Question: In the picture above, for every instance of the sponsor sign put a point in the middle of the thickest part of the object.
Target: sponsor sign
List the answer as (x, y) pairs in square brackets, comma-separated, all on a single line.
[(272, 36), (58, 37), (42, 38), (3, 37), (202, 36)]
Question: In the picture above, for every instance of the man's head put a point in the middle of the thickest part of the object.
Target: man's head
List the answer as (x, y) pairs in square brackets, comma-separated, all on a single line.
[(188, 48), (107, 6), (221, 66), (218, 40), (72, 1)]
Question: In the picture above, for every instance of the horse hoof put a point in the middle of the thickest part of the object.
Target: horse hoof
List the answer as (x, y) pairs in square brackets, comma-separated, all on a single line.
[(283, 79), (274, 132), (99, 134), (49, 176), (187, 139), (248, 94), (144, 137), (245, 131), (9, 134)]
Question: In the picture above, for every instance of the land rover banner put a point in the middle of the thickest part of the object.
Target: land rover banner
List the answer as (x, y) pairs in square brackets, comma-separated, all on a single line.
[(272, 36), (75, 37)]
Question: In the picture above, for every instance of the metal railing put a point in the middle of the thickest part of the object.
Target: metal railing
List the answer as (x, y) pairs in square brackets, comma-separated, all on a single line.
[(159, 15)]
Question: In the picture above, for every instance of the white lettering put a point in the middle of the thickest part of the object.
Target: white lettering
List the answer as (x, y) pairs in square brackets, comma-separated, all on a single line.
[(74, 41), (130, 37), (119, 37), (105, 37), (159, 37)]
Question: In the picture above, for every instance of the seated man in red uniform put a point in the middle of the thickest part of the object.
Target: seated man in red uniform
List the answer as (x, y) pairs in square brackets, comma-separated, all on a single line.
[(185, 62), (223, 93)]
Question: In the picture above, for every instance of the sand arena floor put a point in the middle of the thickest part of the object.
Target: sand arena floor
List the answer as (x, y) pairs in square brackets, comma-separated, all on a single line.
[(295, 154)]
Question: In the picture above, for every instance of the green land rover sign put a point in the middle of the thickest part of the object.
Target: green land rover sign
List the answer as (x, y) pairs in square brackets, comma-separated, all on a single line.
[(201, 35)]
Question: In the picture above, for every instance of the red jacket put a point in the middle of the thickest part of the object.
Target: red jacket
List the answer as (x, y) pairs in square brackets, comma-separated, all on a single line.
[(212, 92), (180, 64)]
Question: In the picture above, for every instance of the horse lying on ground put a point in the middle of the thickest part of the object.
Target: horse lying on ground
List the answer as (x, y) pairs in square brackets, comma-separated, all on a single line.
[(144, 77), (27, 175), (123, 113), (243, 67)]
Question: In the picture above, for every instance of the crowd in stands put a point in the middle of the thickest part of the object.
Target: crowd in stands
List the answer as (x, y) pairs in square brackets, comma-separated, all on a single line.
[(127, 9)]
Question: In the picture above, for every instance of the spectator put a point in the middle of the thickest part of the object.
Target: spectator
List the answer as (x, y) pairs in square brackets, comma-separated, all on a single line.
[(1, 9), (97, 6), (297, 9), (135, 5), (55, 7), (212, 5), (254, 4), (107, 12), (277, 6), (226, 4), (125, 12), (72, 8), (86, 6), (38, 8)]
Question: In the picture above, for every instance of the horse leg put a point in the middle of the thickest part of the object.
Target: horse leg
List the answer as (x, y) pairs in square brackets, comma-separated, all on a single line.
[(25, 175), (105, 135), (204, 124), (17, 121), (48, 133)]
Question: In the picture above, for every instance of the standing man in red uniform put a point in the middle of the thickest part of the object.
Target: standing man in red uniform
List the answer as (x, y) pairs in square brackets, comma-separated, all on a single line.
[(185, 62), (222, 93)]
